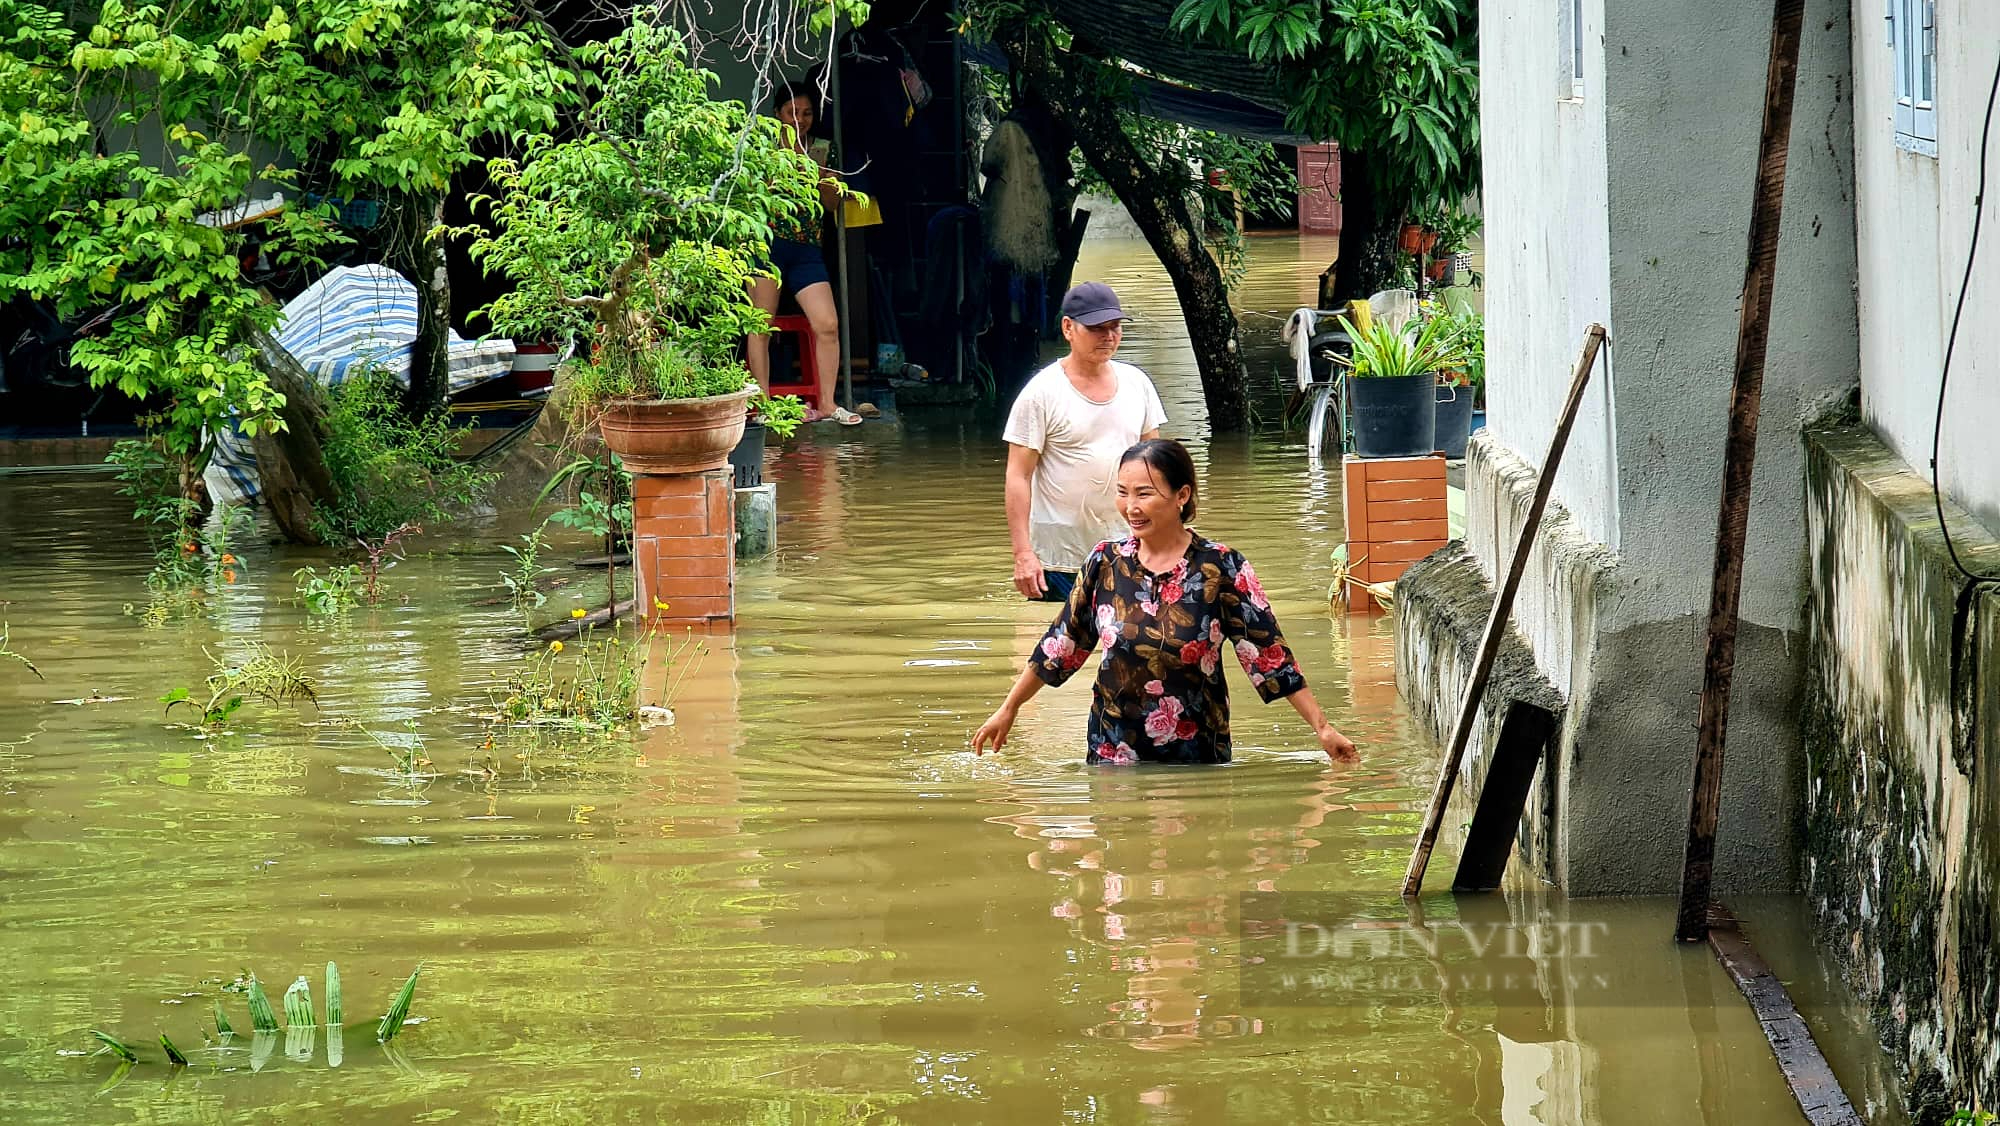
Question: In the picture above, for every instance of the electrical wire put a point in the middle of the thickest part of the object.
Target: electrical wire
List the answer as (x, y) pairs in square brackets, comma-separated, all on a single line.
[(1964, 658), (1951, 340)]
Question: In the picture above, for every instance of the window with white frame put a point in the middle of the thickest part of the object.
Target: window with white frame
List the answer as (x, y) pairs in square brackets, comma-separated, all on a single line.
[(1569, 22), (1913, 39)]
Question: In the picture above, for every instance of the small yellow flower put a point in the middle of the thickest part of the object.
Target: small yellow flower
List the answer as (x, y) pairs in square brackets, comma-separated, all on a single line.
[(659, 605), (576, 613), (555, 646)]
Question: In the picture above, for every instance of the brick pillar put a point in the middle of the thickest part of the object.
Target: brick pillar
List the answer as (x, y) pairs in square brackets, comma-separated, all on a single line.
[(684, 545)]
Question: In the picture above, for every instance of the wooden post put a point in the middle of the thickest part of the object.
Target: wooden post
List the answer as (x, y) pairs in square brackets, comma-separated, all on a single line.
[(1739, 459), (1496, 622)]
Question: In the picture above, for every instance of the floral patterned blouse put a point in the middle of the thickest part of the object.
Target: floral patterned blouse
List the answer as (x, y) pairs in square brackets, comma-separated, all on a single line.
[(1159, 695)]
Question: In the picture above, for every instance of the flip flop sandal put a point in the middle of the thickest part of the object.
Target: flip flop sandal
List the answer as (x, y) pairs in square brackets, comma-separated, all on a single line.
[(868, 410), (846, 417)]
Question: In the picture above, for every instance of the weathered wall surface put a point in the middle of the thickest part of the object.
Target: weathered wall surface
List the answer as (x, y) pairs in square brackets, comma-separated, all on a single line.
[(1902, 725), (1685, 82), (1913, 223), (1610, 809)]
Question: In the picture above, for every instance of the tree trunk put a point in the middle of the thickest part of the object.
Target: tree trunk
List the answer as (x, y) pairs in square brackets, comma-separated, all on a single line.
[(422, 256), (291, 464), (1054, 139), (1159, 203), (1369, 228)]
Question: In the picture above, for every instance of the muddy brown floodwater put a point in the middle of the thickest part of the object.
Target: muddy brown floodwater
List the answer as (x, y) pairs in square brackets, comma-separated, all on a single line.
[(806, 902)]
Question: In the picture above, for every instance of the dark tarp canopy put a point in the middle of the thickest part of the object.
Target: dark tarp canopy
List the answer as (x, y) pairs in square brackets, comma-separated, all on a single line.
[(1139, 31), (1204, 109)]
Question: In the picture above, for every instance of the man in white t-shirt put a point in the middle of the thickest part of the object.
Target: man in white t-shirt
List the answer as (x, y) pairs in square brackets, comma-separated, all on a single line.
[(1064, 437)]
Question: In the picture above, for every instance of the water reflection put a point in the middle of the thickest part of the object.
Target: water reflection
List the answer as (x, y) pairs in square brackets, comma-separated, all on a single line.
[(806, 901)]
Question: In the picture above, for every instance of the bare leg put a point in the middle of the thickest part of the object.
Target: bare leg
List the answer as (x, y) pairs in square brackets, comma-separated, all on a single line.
[(817, 302), (764, 295)]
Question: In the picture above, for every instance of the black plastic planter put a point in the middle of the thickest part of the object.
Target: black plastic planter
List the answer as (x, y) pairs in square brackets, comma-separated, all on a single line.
[(1394, 416), (748, 456), (1454, 419)]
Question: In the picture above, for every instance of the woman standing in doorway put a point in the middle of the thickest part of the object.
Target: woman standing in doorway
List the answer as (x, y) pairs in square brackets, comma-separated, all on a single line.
[(1163, 605), (796, 258)]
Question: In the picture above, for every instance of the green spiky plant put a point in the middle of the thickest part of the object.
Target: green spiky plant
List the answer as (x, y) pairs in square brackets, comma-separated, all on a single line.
[(300, 1028), (1417, 348), (399, 1010)]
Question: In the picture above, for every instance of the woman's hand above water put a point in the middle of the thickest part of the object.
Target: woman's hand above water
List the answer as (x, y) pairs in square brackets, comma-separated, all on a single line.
[(1338, 747), (994, 731)]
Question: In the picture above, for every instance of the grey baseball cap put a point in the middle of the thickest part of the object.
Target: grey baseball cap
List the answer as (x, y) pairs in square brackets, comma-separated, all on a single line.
[(1092, 303)]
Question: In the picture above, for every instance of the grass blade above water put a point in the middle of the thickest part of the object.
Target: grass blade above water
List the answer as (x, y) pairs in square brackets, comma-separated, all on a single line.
[(333, 1013), (299, 1004), (222, 1028), (174, 1055), (262, 1018), (118, 1047), (399, 1010)]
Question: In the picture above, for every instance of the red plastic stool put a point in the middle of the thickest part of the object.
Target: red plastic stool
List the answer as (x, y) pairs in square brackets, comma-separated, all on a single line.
[(808, 391)]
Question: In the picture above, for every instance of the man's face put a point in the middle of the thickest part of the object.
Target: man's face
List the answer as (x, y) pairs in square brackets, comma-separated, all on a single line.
[(1095, 343)]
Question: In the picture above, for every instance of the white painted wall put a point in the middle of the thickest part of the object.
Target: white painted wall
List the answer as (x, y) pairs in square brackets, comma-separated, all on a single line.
[(1685, 93), (1913, 226), (1547, 245)]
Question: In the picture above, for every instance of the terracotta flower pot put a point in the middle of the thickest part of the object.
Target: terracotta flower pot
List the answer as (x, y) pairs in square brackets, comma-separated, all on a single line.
[(675, 436), (1411, 239)]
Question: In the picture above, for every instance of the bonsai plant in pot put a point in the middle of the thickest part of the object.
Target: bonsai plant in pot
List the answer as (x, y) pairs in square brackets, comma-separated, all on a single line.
[(639, 236), (1459, 386), (1392, 383)]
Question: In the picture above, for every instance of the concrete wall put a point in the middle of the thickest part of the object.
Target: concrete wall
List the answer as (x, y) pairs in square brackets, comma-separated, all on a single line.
[(1629, 204), (1686, 86), (1902, 722), (1547, 243), (1914, 221)]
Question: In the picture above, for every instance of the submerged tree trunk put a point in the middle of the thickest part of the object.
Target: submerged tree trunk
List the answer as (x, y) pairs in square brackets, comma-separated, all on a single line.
[(1369, 227), (1160, 205), (421, 254), (291, 464)]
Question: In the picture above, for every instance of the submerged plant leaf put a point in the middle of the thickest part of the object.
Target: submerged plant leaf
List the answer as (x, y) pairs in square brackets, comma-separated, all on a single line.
[(299, 1004), (174, 1055), (399, 1009), (118, 1047), (333, 1013), (262, 1019)]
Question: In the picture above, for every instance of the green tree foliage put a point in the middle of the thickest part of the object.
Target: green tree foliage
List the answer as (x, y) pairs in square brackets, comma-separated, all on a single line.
[(1219, 168), (391, 470), (395, 94), (642, 233), (1394, 80), (391, 98), (93, 223)]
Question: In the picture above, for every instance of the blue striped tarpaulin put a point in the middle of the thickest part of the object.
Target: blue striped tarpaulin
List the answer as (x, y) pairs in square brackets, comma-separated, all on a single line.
[(355, 317)]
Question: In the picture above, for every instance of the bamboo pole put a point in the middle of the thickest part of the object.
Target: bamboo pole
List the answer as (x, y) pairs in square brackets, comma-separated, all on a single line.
[(1739, 460), (1496, 621)]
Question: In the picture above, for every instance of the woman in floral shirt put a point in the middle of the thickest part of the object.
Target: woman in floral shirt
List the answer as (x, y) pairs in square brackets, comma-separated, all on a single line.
[(1164, 605)]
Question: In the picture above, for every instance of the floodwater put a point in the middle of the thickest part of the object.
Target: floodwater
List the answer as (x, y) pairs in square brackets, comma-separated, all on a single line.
[(806, 902)]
